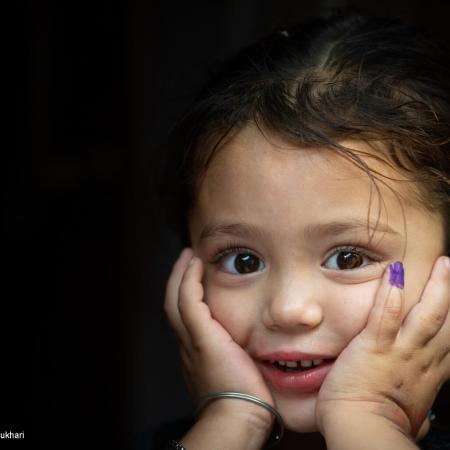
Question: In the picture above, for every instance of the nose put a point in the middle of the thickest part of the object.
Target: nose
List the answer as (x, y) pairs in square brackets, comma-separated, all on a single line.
[(294, 303)]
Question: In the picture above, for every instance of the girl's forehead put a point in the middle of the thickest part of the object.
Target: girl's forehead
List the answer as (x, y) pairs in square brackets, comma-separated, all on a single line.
[(253, 151), (261, 172)]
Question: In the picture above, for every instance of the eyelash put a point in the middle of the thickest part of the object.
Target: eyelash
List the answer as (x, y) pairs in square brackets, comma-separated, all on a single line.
[(233, 247), (356, 249), (229, 248)]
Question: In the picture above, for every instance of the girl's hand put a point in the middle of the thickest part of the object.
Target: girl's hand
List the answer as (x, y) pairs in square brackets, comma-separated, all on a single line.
[(395, 367), (212, 361)]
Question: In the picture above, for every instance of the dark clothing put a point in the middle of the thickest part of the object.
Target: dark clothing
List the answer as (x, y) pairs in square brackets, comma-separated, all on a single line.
[(437, 439)]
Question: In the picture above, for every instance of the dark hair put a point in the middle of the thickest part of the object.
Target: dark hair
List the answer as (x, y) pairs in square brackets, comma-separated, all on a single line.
[(346, 77)]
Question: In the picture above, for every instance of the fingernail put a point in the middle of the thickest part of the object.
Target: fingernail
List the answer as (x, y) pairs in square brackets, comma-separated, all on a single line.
[(431, 415), (192, 260), (447, 262), (397, 275), (184, 251)]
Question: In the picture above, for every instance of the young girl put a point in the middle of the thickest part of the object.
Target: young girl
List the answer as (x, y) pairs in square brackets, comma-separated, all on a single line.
[(312, 189)]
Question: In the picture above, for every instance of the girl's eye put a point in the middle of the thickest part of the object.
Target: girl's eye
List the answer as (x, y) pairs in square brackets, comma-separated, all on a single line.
[(242, 263), (347, 259)]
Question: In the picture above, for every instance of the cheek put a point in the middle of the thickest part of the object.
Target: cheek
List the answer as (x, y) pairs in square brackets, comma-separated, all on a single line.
[(237, 311), (349, 312)]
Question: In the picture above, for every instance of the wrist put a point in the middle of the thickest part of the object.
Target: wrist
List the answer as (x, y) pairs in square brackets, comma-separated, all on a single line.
[(387, 411), (358, 428), (253, 417), (229, 428)]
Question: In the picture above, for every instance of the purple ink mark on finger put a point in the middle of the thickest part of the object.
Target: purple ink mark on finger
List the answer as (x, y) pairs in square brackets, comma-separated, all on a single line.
[(397, 275)]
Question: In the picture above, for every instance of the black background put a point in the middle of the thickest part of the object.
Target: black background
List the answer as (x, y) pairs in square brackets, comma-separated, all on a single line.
[(87, 357)]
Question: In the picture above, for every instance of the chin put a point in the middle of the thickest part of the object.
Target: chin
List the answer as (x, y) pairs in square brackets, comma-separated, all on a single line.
[(298, 425), (298, 411)]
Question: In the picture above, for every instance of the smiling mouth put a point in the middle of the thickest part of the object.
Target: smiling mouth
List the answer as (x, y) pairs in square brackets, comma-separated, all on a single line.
[(297, 366)]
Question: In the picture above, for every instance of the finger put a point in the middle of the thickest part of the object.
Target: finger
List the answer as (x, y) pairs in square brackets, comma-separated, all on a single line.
[(423, 429), (428, 316), (194, 313), (444, 364), (387, 313), (441, 342), (171, 298)]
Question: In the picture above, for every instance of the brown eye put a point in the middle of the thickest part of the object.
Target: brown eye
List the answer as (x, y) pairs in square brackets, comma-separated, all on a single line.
[(246, 263), (242, 263), (346, 260)]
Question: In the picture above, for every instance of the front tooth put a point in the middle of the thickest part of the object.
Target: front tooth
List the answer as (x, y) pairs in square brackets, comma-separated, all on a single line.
[(306, 363), (292, 364), (281, 363), (317, 361)]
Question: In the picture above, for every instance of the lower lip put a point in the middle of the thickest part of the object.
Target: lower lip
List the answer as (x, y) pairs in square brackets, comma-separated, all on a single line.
[(300, 382)]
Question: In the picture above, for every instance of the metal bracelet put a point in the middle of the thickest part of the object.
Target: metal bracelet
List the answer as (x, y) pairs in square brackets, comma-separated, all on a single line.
[(175, 445), (277, 436)]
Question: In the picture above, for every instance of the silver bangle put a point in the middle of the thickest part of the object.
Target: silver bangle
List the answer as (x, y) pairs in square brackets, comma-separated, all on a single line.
[(277, 436), (175, 445)]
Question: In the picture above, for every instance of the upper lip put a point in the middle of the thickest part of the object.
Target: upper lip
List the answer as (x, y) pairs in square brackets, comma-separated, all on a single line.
[(285, 355)]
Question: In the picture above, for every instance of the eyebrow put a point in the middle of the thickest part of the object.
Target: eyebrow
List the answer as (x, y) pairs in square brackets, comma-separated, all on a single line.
[(311, 231)]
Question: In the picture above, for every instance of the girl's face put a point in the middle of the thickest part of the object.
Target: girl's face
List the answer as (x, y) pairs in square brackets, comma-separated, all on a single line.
[(294, 255)]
